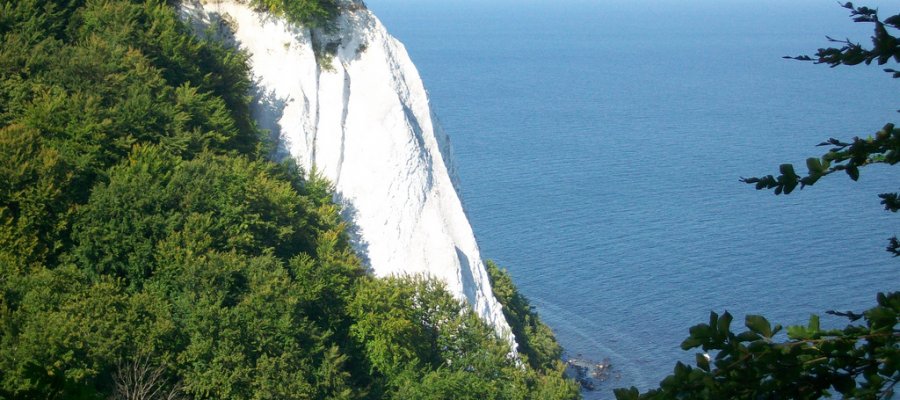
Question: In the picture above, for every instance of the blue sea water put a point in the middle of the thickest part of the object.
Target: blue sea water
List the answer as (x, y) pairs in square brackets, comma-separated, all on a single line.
[(600, 143)]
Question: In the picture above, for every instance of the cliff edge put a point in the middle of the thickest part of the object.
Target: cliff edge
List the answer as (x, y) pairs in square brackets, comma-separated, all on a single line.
[(350, 103)]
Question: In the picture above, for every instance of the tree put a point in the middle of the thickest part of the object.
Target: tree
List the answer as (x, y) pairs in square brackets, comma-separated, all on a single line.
[(860, 361), (536, 343), (421, 343), (311, 13)]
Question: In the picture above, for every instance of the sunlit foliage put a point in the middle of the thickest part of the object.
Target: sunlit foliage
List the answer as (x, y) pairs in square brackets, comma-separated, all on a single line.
[(149, 250)]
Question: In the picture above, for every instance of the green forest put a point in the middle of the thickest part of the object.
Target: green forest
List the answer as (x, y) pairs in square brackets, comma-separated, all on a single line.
[(149, 249)]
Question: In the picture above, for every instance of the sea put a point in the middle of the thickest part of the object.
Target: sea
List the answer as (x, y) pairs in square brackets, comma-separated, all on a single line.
[(600, 146)]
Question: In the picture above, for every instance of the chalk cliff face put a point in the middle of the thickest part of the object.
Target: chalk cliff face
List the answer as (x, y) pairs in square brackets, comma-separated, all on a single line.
[(362, 118)]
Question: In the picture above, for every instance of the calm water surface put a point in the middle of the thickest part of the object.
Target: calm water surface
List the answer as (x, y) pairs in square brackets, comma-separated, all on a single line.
[(600, 144)]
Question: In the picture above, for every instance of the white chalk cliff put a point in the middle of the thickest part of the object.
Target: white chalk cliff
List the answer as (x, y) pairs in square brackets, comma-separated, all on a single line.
[(365, 123)]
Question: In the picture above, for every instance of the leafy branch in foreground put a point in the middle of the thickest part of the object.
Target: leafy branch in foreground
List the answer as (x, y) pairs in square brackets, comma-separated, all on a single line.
[(859, 361), (882, 148), (884, 45)]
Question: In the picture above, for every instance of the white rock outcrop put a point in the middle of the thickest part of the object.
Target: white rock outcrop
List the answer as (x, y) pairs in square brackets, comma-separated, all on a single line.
[(365, 123)]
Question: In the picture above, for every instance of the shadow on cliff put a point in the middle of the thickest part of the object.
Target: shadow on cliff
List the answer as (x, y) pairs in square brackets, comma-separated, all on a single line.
[(349, 213), (210, 25), (468, 280), (267, 108)]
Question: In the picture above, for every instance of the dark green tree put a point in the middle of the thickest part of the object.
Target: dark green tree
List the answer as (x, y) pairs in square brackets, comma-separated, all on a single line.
[(860, 361), (537, 344), (421, 343)]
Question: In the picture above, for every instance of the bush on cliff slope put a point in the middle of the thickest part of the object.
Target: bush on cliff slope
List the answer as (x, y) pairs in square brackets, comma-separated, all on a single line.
[(314, 13)]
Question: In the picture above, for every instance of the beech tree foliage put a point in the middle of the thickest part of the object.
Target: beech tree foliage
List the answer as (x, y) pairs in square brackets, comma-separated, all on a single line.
[(149, 250), (860, 361)]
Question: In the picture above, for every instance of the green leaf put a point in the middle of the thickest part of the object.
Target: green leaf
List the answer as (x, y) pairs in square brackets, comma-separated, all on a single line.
[(713, 318), (700, 331), (681, 370), (777, 328), (691, 343), (790, 186), (882, 318), (811, 331), (843, 383), (703, 361), (631, 393), (787, 170), (815, 166), (853, 172), (700, 334), (798, 332), (724, 325), (759, 324), (814, 323), (748, 337)]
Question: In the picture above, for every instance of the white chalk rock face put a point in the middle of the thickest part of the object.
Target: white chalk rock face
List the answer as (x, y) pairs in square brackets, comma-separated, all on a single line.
[(362, 118)]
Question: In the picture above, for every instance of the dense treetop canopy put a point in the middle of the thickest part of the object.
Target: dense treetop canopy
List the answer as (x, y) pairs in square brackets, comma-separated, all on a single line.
[(149, 250)]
